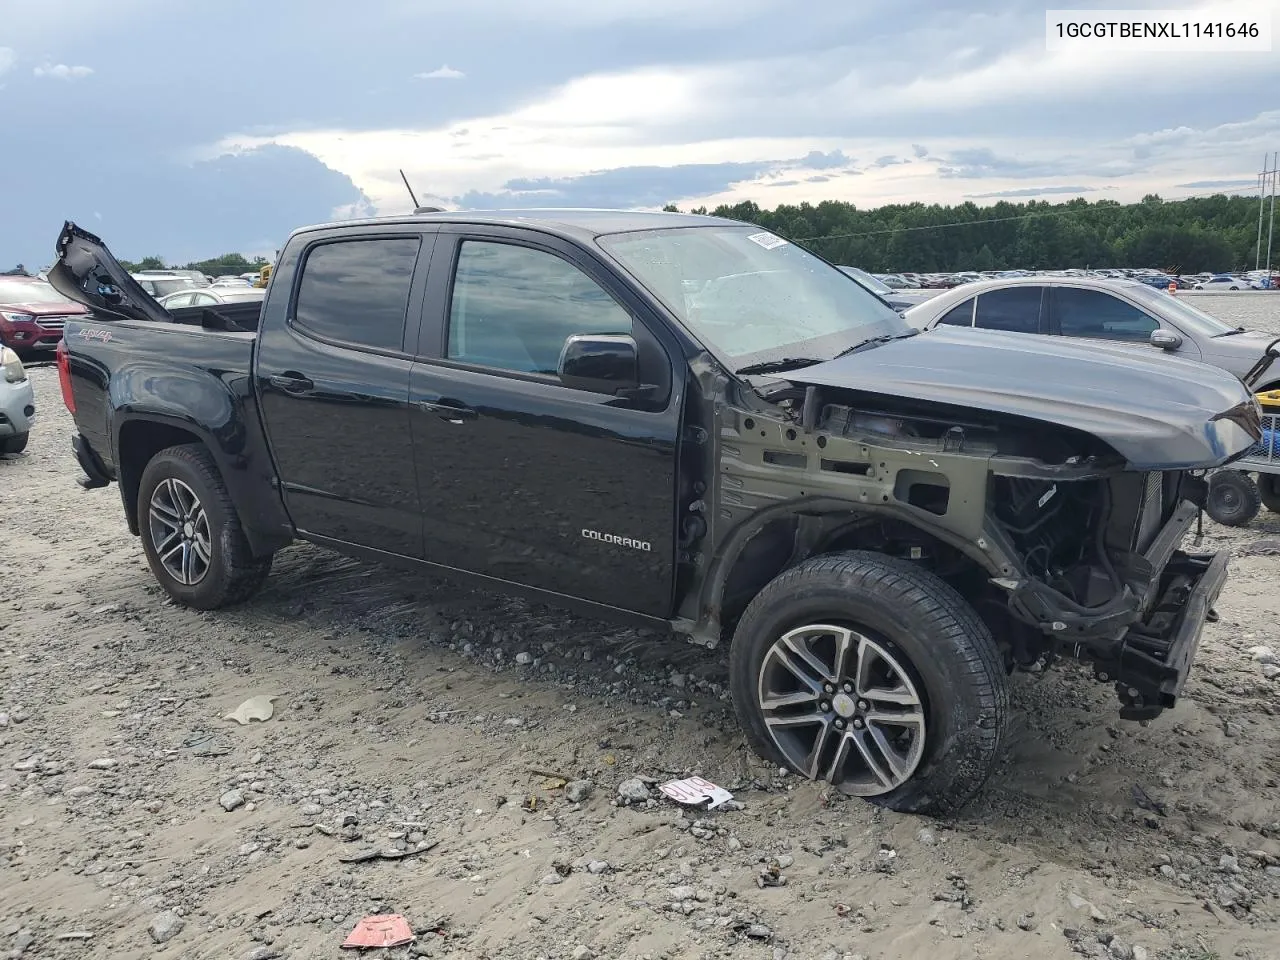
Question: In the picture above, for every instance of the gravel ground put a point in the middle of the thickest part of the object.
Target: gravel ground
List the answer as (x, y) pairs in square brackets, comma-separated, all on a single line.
[(440, 726)]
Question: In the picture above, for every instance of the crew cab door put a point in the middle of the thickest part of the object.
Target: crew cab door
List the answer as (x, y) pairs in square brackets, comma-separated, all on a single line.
[(333, 380), (523, 477)]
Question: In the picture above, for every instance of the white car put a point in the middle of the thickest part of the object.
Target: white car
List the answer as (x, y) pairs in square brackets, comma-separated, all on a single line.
[(1222, 282), (1117, 312), (17, 403), (211, 296)]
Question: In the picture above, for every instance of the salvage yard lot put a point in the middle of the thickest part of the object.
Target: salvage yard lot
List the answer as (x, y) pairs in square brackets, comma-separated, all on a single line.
[(412, 712)]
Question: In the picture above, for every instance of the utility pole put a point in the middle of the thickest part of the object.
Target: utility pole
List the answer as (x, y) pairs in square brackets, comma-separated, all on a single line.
[(1275, 163), (1262, 194)]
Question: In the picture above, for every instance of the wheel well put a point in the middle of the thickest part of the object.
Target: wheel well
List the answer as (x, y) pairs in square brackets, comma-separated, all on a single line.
[(140, 440), (787, 541)]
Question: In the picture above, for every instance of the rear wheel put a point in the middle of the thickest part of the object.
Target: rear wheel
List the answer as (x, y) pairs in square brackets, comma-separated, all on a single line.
[(1269, 491), (14, 444), (191, 532), (875, 676), (1234, 498)]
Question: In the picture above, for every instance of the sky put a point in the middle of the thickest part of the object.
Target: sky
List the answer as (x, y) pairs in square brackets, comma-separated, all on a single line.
[(190, 134)]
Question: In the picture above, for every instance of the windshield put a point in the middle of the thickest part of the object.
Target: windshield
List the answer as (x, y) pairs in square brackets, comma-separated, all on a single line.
[(750, 294), (29, 291), (1191, 319), (868, 281)]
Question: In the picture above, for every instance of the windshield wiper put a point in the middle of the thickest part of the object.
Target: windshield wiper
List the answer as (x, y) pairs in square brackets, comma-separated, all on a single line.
[(777, 366), (1230, 333), (873, 342)]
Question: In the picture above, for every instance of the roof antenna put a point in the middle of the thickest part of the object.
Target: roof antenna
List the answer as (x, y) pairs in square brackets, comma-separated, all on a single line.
[(409, 188), (416, 208)]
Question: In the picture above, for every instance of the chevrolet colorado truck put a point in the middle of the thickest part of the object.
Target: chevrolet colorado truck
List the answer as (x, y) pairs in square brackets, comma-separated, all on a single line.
[(681, 421)]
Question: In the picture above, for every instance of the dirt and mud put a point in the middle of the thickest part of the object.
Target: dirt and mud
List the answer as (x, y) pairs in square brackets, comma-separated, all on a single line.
[(457, 757)]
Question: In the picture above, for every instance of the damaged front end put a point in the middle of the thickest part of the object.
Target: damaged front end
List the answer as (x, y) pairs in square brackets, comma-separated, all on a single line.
[(1059, 543)]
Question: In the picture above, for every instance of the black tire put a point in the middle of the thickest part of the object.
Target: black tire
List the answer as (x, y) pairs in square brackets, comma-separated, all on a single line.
[(1234, 499), (232, 573), (914, 615), (14, 444), (1269, 491)]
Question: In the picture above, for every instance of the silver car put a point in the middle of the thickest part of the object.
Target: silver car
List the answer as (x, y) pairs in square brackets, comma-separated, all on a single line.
[(17, 403), (1113, 311)]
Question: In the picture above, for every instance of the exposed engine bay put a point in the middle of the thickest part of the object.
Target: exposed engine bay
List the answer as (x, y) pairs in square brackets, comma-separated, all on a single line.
[(1057, 543)]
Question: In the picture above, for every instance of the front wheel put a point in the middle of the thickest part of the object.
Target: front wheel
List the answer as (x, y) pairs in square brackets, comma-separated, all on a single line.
[(1234, 499), (875, 676), (14, 444), (191, 532)]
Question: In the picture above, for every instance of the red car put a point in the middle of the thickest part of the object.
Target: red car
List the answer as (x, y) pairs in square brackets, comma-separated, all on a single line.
[(32, 314)]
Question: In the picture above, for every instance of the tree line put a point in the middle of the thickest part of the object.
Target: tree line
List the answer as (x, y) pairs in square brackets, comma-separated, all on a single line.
[(1216, 233), (229, 264)]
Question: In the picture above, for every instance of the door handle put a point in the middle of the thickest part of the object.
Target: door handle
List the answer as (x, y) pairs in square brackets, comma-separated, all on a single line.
[(291, 382), (452, 412)]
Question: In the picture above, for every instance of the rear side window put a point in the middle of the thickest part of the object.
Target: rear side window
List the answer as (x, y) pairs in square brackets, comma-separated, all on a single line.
[(1014, 309), (357, 291), (960, 316)]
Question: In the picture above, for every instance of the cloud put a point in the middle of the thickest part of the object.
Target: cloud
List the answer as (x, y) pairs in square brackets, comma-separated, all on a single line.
[(1212, 184), (919, 151), (60, 71), (7, 59), (1028, 192), (817, 160), (624, 187), (888, 161), (444, 72)]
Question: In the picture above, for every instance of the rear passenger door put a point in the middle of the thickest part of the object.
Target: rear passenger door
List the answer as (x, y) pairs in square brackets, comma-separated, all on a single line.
[(524, 478), (333, 377)]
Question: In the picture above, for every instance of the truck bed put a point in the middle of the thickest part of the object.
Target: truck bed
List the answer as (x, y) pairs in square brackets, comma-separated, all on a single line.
[(239, 317)]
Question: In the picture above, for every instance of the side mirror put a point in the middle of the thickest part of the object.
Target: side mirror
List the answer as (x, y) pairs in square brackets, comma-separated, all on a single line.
[(599, 362), (1165, 339)]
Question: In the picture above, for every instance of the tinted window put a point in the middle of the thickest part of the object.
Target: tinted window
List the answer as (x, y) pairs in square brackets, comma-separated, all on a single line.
[(1015, 309), (1092, 313), (513, 307), (357, 291), (961, 316)]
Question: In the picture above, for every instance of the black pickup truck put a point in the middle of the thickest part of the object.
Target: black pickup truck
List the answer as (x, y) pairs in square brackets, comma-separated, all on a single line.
[(681, 421)]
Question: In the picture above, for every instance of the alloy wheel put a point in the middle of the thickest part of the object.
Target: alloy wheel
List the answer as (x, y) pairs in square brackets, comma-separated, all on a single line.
[(844, 708), (179, 530)]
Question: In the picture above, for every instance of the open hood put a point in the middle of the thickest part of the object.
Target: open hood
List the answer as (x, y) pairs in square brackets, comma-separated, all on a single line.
[(1159, 413), (87, 273)]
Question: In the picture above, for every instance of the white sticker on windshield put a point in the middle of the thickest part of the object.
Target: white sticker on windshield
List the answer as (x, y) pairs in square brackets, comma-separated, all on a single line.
[(766, 240)]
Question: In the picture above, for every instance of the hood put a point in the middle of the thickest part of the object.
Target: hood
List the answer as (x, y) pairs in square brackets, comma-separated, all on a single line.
[(44, 309), (87, 272), (906, 299), (1243, 348), (1158, 412)]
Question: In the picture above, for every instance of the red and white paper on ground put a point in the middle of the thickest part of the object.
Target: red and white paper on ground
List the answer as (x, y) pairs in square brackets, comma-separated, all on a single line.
[(382, 930)]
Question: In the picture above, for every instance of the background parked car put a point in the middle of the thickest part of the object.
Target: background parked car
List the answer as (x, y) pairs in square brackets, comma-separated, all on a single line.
[(32, 315), (161, 285), (900, 300), (17, 403), (1222, 282), (1112, 311), (210, 296)]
